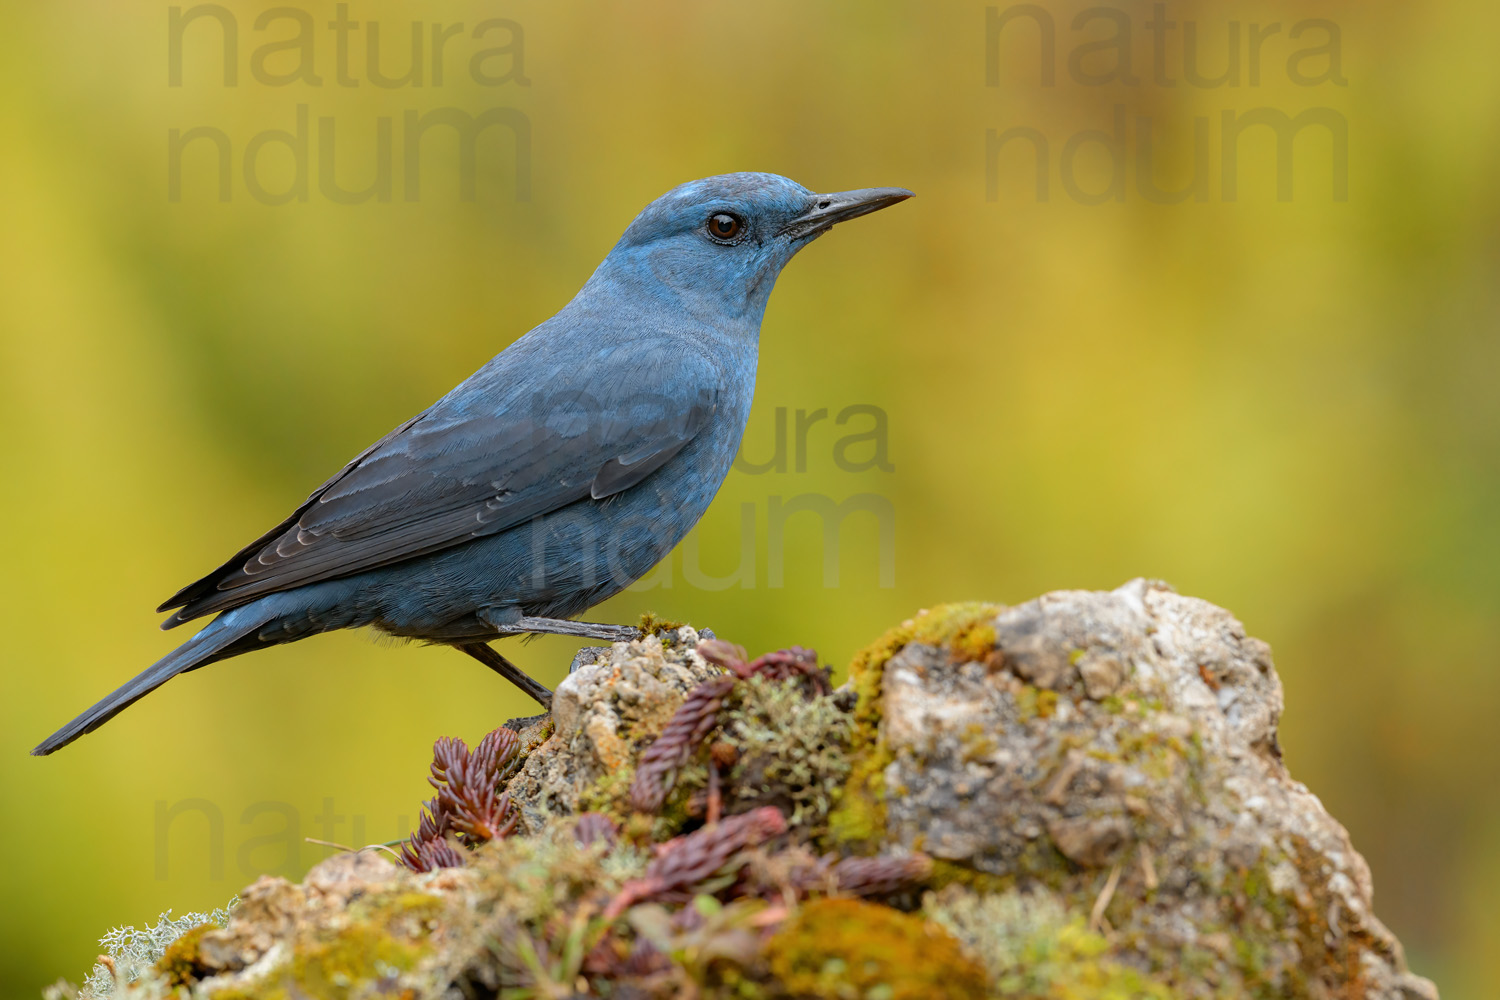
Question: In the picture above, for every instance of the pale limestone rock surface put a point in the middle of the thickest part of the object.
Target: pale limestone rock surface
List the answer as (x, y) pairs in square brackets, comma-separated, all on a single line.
[(1128, 739), (624, 689)]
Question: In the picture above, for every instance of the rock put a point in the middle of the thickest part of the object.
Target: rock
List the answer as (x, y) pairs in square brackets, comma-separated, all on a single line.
[(342, 877), (268, 912), (273, 910), (1129, 739), (1082, 795), (633, 686), (1089, 841)]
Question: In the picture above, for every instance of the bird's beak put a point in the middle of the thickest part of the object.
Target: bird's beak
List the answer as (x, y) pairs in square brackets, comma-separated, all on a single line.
[(828, 209)]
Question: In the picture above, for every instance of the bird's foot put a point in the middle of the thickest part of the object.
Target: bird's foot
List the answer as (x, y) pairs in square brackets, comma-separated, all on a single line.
[(521, 725), (587, 657)]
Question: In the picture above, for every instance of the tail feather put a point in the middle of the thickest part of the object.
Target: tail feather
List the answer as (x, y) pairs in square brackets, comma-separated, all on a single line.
[(207, 645)]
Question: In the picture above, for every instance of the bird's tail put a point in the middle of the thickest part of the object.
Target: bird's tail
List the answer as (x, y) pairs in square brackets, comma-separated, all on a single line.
[(209, 644)]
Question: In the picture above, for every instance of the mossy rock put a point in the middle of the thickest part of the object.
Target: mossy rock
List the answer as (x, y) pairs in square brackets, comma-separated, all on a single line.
[(845, 949), (1092, 780), (858, 823), (180, 964)]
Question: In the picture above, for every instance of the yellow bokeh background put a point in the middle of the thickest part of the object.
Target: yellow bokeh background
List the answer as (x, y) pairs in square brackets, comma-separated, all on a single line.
[(1288, 407)]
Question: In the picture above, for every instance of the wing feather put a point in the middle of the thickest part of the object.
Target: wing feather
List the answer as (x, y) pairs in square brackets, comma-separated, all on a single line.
[(478, 462)]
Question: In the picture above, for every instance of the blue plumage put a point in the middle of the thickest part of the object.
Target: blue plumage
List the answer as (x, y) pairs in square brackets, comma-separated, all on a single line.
[(550, 479)]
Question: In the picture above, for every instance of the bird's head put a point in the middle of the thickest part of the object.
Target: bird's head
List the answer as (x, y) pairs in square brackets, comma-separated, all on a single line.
[(716, 245)]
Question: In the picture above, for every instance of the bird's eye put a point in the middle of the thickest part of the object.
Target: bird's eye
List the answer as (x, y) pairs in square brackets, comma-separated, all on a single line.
[(725, 227)]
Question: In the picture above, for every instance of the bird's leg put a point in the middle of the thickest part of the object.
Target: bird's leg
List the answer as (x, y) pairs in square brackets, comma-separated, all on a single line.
[(579, 630), (500, 665)]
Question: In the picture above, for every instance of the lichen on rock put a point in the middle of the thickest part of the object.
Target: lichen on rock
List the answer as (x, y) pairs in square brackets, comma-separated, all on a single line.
[(1119, 751), (1081, 796), (602, 713), (156, 952)]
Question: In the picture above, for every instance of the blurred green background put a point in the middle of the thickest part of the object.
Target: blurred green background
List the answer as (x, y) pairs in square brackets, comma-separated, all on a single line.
[(1288, 407)]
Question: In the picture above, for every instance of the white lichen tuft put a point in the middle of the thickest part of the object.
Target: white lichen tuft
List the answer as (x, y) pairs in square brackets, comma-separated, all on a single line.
[(135, 950)]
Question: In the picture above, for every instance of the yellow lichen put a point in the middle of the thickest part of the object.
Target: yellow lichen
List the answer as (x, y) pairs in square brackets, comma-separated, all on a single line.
[(946, 873), (845, 949), (1034, 946), (974, 643), (967, 630), (179, 964), (788, 750), (608, 794), (1035, 703), (653, 624), (336, 966)]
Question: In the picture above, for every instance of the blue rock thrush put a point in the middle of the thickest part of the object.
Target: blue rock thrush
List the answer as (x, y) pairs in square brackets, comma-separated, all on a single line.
[(550, 479)]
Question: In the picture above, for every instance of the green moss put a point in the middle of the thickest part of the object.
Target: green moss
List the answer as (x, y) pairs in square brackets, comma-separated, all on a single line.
[(974, 642), (1040, 865), (674, 815), (977, 742), (1193, 754), (1032, 947), (967, 629), (1262, 928), (607, 794), (533, 740), (651, 623), (1036, 703), (859, 818), (1074, 966), (360, 953), (531, 879), (385, 937), (790, 751), (180, 964), (1158, 757), (1264, 922), (845, 949), (408, 904), (946, 873), (610, 794)]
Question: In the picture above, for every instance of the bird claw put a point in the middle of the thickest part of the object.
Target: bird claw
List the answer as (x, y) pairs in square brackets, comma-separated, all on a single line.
[(587, 657)]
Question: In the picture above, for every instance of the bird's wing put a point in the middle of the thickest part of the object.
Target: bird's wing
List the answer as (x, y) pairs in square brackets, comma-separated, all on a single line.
[(477, 463)]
